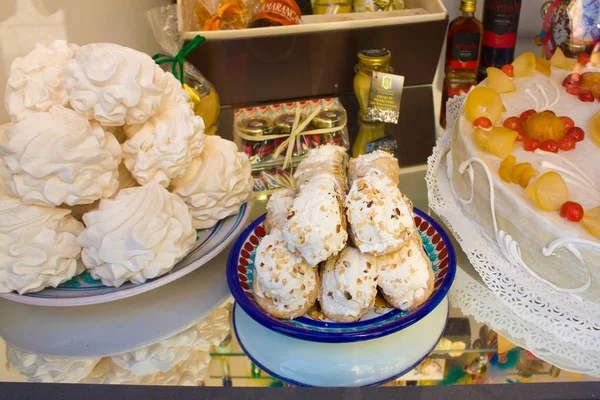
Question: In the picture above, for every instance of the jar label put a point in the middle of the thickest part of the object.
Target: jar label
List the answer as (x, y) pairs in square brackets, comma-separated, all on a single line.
[(384, 97), (282, 12), (465, 50)]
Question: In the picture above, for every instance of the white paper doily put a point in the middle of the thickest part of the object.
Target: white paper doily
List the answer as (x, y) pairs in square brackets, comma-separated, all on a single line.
[(475, 299), (567, 318)]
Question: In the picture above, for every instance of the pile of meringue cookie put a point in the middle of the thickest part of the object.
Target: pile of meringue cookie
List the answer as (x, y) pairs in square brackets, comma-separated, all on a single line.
[(101, 134)]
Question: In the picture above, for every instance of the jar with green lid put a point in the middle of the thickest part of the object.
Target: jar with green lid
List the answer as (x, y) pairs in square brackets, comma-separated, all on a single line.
[(325, 119), (260, 148)]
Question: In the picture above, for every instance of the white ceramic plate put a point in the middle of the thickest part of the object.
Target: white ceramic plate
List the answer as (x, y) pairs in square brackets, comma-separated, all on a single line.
[(84, 290), (111, 328), (373, 362)]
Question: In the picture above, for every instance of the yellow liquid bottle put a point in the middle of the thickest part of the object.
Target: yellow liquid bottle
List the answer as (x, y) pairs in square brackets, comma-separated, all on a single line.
[(332, 7), (369, 61)]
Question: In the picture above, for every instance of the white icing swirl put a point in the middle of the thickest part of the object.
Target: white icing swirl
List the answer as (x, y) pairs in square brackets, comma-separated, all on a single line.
[(216, 184), (59, 157), (114, 85), (37, 368), (107, 372), (191, 372), (35, 82), (138, 235), (163, 147), (38, 246)]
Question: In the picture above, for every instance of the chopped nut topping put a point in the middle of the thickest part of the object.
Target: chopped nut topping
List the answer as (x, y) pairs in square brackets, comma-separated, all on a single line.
[(410, 253), (359, 281), (330, 294), (348, 295), (369, 204), (291, 215), (368, 265), (397, 211), (338, 228)]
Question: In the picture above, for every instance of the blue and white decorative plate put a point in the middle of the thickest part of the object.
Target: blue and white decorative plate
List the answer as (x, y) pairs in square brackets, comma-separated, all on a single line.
[(382, 320), (84, 290)]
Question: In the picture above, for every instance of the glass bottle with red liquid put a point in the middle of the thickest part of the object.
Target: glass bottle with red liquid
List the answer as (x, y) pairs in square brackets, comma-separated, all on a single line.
[(463, 49)]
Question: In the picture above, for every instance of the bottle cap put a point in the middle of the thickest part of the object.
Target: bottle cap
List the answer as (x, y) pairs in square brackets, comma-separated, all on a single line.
[(328, 118), (468, 5), (256, 126), (374, 58)]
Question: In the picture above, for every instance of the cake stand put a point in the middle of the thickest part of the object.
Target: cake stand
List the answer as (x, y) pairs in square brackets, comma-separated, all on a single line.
[(373, 362)]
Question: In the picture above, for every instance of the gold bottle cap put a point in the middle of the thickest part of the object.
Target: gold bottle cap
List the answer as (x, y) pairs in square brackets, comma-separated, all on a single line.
[(328, 118), (468, 6), (285, 122), (256, 126), (374, 58)]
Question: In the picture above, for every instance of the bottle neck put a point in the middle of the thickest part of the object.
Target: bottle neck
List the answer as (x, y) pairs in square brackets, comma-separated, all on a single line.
[(468, 14)]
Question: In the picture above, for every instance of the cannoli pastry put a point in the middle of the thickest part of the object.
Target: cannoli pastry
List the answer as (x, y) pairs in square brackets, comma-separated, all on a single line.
[(138, 235), (36, 83), (216, 184), (380, 218), (379, 160), (38, 368), (328, 158), (38, 246), (278, 209), (316, 224), (348, 285), (406, 277), (59, 157), (285, 286)]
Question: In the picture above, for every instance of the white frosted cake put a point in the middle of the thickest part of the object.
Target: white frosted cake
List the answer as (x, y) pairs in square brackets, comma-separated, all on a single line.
[(532, 183)]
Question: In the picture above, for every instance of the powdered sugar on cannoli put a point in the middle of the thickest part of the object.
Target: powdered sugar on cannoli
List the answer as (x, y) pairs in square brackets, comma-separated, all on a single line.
[(348, 285), (406, 277), (380, 219), (316, 226), (283, 280), (379, 160)]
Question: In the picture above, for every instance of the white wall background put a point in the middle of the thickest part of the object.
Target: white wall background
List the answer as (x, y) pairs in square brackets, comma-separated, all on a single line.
[(23, 23)]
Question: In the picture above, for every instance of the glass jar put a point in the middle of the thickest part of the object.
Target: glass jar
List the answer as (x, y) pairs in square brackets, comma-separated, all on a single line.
[(257, 150), (283, 126), (368, 62), (328, 118), (332, 7)]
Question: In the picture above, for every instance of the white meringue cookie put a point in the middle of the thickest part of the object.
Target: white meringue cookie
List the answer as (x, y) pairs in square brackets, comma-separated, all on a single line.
[(35, 82), (59, 157), (36, 368), (213, 329), (316, 225), (161, 356), (217, 183), (380, 218), (125, 181), (191, 372), (163, 147), (106, 372), (38, 246), (114, 85), (138, 235)]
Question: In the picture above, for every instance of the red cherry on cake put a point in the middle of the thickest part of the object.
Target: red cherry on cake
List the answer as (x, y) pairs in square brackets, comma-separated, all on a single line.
[(569, 123), (508, 69), (576, 133), (482, 122), (574, 89), (531, 144), (572, 211), (513, 123), (520, 135), (526, 114), (583, 59), (566, 143), (549, 145), (586, 95), (572, 79)]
